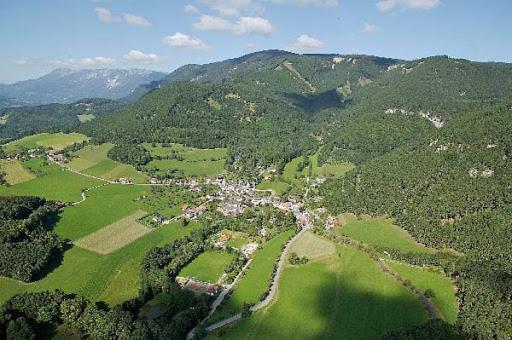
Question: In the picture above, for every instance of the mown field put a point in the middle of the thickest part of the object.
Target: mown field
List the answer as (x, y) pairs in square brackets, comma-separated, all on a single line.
[(381, 233), (113, 278), (14, 171), (51, 182), (345, 296), (256, 279), (56, 141), (93, 160), (207, 267), (103, 206), (278, 187)]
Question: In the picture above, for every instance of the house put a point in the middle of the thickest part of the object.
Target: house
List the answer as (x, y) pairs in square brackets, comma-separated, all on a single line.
[(123, 180), (194, 213), (158, 218), (248, 249), (153, 181)]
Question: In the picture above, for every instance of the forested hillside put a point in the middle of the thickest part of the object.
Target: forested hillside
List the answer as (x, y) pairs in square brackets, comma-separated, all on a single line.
[(451, 188), (21, 121)]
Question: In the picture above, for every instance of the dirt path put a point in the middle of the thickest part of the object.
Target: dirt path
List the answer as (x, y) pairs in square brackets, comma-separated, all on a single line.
[(289, 67)]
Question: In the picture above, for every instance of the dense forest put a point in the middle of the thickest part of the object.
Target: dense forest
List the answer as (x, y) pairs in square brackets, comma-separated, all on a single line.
[(27, 120), (451, 189), (26, 245)]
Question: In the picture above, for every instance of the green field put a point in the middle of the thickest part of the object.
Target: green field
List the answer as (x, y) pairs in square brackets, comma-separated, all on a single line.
[(255, 282), (444, 295), (329, 170), (278, 187), (381, 233), (341, 297), (193, 169), (207, 267), (113, 278), (187, 153), (93, 160), (15, 173), (52, 183), (312, 246), (104, 206), (56, 141)]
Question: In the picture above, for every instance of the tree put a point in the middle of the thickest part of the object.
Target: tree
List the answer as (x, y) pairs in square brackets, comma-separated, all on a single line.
[(20, 329)]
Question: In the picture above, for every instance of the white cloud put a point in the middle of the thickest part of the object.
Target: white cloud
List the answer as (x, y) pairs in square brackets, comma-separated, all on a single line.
[(234, 7), (211, 23), (141, 57), (370, 28), (190, 9), (244, 25), (319, 3), (105, 15), (87, 62), (257, 25), (306, 43), (136, 20), (389, 5), (20, 62), (184, 41)]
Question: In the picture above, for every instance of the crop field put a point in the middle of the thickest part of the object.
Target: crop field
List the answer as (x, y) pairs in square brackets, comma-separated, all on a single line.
[(312, 246), (93, 160), (444, 294), (104, 205), (340, 297), (15, 173), (112, 278), (256, 279), (193, 169), (85, 117), (115, 235), (382, 233), (207, 267), (56, 141), (51, 182)]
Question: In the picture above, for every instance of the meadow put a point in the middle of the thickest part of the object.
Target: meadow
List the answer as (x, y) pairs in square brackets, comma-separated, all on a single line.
[(113, 278), (15, 173), (423, 278), (207, 267), (51, 182), (381, 233), (188, 154), (103, 206), (277, 186), (85, 117), (116, 235), (93, 160), (340, 297), (56, 141), (254, 283), (312, 246), (204, 168)]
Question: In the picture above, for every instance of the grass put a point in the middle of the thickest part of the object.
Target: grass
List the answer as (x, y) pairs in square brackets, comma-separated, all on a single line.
[(56, 141), (444, 294), (189, 154), (15, 173), (312, 246), (93, 160), (340, 297), (104, 206), (192, 169), (207, 267), (113, 278), (329, 170), (85, 117), (278, 187), (256, 280), (116, 235), (52, 183), (381, 233)]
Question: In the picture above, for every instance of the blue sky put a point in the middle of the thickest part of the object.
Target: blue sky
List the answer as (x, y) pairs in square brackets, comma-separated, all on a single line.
[(40, 35)]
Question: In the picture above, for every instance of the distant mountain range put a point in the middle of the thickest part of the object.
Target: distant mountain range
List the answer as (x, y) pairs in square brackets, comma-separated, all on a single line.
[(69, 85)]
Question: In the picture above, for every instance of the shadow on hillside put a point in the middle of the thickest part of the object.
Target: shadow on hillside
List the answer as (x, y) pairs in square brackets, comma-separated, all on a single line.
[(337, 307), (317, 102)]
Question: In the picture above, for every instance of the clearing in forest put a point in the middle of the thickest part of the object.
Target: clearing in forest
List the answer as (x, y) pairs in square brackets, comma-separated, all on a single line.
[(115, 235), (15, 173), (56, 141)]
